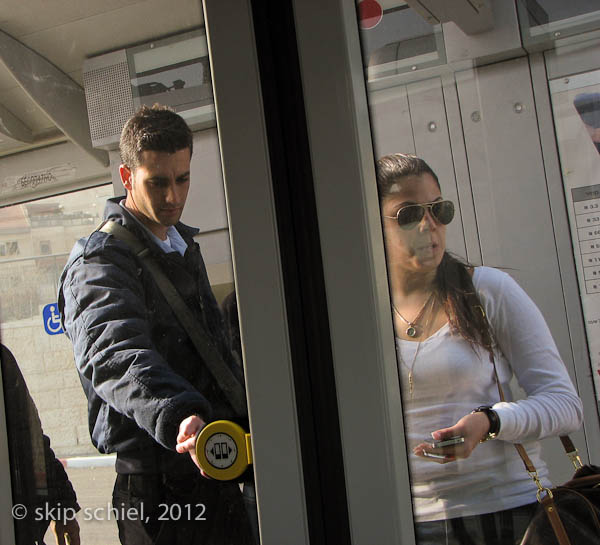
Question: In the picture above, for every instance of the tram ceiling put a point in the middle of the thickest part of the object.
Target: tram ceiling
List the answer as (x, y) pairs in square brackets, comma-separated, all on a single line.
[(42, 49)]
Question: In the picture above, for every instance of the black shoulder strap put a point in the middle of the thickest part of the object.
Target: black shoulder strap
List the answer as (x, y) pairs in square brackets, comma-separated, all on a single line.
[(205, 346)]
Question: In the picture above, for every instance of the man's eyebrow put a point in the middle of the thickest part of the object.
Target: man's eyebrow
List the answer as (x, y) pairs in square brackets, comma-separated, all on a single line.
[(158, 178)]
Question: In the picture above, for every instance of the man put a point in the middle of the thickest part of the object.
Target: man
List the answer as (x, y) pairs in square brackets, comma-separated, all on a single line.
[(149, 391)]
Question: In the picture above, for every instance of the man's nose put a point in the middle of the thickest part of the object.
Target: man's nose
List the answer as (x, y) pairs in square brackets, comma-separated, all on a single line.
[(171, 193)]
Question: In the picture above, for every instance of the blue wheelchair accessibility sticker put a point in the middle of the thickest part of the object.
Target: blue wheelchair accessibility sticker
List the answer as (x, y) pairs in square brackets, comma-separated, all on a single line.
[(52, 319)]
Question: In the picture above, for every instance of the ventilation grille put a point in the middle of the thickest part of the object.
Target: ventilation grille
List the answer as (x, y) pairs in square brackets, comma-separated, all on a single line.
[(109, 103)]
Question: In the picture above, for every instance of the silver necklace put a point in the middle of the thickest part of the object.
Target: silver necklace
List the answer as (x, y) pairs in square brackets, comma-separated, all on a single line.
[(413, 326), (411, 376)]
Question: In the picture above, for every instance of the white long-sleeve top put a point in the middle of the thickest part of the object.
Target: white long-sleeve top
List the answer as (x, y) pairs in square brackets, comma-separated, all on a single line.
[(451, 379)]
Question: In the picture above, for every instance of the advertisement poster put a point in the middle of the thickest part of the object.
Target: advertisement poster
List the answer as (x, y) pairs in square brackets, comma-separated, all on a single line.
[(576, 105)]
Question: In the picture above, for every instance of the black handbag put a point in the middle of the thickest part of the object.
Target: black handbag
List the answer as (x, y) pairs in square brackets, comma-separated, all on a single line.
[(567, 514)]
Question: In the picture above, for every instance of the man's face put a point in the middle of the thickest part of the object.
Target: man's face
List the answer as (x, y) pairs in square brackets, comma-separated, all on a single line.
[(157, 189)]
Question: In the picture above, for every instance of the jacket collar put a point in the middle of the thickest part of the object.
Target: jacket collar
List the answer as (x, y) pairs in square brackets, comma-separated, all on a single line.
[(114, 211)]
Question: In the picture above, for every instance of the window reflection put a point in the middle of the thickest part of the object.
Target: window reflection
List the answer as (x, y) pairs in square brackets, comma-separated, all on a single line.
[(396, 39), (469, 291), (543, 21)]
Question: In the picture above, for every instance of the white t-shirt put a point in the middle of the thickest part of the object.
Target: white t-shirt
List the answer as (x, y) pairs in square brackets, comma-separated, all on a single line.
[(451, 379)]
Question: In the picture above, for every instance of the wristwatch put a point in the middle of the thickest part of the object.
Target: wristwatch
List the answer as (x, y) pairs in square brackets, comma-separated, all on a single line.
[(494, 421)]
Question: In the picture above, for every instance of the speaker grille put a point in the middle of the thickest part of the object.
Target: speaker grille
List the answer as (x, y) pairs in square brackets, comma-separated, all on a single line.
[(109, 103)]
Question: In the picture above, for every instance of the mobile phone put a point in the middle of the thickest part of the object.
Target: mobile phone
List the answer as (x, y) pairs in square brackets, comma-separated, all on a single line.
[(456, 440), (436, 456)]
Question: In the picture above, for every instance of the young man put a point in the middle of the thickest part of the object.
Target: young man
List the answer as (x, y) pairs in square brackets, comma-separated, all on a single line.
[(149, 391)]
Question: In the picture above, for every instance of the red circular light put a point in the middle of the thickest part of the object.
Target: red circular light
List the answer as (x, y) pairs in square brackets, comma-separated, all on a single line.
[(370, 14)]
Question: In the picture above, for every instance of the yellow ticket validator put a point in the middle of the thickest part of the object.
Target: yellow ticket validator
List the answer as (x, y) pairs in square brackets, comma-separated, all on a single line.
[(224, 450)]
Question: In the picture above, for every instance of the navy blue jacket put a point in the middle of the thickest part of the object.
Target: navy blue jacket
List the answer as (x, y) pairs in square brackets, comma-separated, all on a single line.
[(140, 371)]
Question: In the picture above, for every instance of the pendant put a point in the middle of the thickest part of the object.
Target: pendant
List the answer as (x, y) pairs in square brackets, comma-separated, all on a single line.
[(411, 331)]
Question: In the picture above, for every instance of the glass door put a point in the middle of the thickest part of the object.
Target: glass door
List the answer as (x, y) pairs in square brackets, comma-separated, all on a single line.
[(475, 106)]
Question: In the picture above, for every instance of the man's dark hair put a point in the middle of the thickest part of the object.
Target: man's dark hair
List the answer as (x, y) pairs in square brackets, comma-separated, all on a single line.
[(153, 129)]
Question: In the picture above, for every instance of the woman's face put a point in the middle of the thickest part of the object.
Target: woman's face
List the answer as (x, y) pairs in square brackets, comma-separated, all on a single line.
[(418, 247)]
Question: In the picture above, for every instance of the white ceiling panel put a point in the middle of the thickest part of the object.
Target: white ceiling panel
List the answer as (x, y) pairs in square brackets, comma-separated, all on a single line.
[(66, 32)]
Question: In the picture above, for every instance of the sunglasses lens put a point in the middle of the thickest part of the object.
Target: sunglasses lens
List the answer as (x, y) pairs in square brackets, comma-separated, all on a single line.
[(410, 215), (443, 211)]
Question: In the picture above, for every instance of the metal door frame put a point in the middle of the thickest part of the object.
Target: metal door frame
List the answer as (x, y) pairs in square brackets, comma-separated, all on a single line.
[(375, 458), (257, 272)]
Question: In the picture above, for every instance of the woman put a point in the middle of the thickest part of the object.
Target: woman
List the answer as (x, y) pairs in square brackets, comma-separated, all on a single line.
[(476, 491)]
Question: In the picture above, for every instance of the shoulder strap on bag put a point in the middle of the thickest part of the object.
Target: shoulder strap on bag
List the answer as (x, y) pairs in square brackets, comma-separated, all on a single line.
[(544, 495), (229, 384)]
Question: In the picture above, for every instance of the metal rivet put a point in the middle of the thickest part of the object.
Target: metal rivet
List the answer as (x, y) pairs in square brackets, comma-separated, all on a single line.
[(518, 107), (413, 68), (556, 34), (566, 80), (476, 116), (432, 126)]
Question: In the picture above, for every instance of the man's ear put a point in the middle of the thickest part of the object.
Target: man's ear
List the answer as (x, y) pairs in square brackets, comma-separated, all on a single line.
[(126, 177)]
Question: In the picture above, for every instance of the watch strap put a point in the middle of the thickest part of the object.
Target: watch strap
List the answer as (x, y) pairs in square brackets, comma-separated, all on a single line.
[(494, 421)]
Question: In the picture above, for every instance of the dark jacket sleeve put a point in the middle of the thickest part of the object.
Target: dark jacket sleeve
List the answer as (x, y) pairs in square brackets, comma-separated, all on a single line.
[(61, 492), (24, 432), (104, 314)]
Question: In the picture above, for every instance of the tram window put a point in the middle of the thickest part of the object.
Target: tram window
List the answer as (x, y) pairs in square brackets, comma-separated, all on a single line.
[(46, 230), (37, 237)]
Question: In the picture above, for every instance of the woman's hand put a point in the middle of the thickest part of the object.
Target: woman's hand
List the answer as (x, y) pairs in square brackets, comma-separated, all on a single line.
[(473, 427)]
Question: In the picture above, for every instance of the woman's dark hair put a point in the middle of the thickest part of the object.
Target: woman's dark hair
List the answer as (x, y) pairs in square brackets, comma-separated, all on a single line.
[(391, 168), (453, 280), (153, 129)]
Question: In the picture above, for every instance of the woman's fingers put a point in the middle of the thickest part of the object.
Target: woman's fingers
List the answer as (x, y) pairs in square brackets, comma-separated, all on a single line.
[(472, 428), (426, 451)]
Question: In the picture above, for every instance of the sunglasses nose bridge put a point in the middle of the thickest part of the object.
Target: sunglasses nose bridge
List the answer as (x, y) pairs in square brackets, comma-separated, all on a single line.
[(429, 217)]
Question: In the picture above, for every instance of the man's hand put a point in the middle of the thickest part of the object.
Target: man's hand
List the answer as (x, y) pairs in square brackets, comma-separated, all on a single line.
[(67, 533), (186, 438)]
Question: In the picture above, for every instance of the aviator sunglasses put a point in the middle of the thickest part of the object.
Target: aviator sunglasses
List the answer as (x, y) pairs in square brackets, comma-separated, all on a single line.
[(409, 216)]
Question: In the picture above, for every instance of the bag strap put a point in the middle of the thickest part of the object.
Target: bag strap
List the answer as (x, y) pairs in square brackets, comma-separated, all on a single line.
[(203, 343), (547, 500), (486, 335)]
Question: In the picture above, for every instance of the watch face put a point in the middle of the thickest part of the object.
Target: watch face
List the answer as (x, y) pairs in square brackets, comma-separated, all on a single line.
[(221, 450)]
